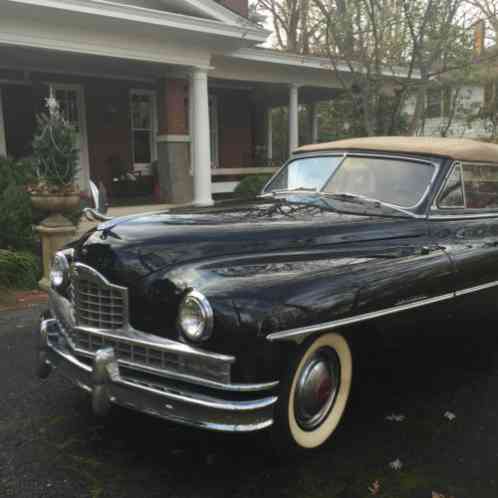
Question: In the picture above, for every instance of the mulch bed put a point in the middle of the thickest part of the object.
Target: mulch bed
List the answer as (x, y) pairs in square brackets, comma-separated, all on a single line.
[(15, 300)]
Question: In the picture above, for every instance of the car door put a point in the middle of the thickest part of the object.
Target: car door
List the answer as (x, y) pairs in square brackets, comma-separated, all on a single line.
[(464, 221)]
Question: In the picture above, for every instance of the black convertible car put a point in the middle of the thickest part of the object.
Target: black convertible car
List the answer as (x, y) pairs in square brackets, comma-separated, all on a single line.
[(240, 317)]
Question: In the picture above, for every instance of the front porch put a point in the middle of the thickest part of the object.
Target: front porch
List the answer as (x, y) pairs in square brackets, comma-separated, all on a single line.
[(153, 132)]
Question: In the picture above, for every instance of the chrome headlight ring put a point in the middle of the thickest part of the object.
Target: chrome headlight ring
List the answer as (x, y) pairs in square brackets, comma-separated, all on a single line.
[(59, 271), (195, 317)]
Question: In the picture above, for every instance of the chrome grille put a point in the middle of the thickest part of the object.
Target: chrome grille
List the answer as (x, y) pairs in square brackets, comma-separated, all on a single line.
[(133, 352), (98, 303), (101, 321)]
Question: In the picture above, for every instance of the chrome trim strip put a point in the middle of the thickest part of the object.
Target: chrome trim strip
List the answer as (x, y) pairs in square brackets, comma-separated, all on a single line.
[(171, 375), (241, 388), (230, 406), (435, 206), (166, 345), (476, 288), (206, 312), (462, 216), (302, 332)]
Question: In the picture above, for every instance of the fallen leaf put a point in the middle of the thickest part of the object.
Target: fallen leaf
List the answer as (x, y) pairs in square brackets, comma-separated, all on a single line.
[(374, 488), (395, 418), (396, 464)]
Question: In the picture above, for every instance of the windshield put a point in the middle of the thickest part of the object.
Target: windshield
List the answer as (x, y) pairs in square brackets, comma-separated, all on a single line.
[(400, 182), (307, 173)]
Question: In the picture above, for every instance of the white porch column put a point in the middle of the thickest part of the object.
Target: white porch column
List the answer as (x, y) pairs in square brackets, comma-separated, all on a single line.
[(201, 138), (269, 135), (293, 117), (3, 143), (191, 118), (315, 130)]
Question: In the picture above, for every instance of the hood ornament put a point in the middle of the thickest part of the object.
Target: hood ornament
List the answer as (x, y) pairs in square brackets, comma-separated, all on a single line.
[(93, 215)]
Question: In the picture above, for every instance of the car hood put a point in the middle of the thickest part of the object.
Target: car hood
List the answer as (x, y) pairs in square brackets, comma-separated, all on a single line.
[(126, 249)]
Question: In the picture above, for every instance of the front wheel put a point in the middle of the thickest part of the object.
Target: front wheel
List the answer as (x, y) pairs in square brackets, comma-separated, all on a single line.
[(315, 391)]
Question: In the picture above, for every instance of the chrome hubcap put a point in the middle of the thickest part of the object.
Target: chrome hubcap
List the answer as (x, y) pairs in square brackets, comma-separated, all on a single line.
[(316, 388)]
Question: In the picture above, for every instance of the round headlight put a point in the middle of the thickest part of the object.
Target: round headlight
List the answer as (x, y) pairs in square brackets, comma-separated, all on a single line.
[(195, 317), (59, 271)]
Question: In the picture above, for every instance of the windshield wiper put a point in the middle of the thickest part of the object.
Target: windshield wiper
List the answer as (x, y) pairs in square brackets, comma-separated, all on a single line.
[(291, 190), (347, 196), (362, 199)]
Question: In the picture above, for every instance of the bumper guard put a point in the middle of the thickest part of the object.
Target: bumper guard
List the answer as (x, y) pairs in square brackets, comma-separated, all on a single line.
[(104, 379)]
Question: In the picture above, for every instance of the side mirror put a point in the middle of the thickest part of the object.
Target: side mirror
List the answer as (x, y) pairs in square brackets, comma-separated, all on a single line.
[(99, 197)]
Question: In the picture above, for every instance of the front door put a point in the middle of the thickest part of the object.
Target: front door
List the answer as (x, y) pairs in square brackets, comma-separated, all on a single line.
[(72, 106)]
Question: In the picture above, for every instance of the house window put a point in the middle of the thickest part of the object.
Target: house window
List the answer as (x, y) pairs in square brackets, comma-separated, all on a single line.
[(143, 129), (438, 102), (434, 103), (68, 104), (491, 94)]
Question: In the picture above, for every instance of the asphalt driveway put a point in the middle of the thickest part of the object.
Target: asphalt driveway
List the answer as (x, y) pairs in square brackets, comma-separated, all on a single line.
[(51, 445)]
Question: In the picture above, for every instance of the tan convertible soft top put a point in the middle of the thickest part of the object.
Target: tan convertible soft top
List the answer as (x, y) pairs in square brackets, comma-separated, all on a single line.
[(455, 148)]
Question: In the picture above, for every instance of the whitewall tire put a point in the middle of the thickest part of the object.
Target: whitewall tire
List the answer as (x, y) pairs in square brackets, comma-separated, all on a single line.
[(315, 392)]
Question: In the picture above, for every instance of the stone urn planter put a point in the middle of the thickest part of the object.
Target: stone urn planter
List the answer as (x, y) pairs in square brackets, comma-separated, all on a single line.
[(55, 230), (55, 203)]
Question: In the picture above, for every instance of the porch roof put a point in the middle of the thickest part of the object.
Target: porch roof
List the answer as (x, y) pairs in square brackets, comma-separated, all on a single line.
[(220, 21), (272, 56)]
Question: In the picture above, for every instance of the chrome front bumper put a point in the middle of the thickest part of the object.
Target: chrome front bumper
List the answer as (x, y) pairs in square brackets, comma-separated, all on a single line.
[(239, 408)]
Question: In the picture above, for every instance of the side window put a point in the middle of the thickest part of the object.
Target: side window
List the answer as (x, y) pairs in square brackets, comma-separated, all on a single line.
[(452, 195), (480, 183)]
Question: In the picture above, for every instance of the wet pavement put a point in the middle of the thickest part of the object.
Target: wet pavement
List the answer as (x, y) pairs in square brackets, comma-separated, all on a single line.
[(51, 445)]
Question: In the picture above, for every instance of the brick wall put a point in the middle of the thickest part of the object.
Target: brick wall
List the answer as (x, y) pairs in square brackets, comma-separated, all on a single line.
[(240, 6), (173, 109)]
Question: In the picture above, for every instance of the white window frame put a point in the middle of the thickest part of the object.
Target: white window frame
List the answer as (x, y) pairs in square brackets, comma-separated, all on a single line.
[(84, 172), (144, 168), (3, 141)]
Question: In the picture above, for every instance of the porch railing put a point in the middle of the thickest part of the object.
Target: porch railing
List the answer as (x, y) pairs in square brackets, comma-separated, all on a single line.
[(225, 180)]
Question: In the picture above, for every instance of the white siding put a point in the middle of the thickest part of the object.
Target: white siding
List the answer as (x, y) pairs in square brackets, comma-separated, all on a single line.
[(471, 98)]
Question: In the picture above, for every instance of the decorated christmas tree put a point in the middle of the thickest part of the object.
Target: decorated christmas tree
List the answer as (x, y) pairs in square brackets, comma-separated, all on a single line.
[(55, 153)]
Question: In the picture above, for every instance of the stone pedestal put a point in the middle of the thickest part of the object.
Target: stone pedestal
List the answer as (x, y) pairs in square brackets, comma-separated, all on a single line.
[(174, 170), (55, 231)]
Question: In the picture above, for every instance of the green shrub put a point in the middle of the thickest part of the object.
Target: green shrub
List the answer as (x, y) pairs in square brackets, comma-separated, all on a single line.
[(251, 185), (16, 220), (20, 270), (19, 172)]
